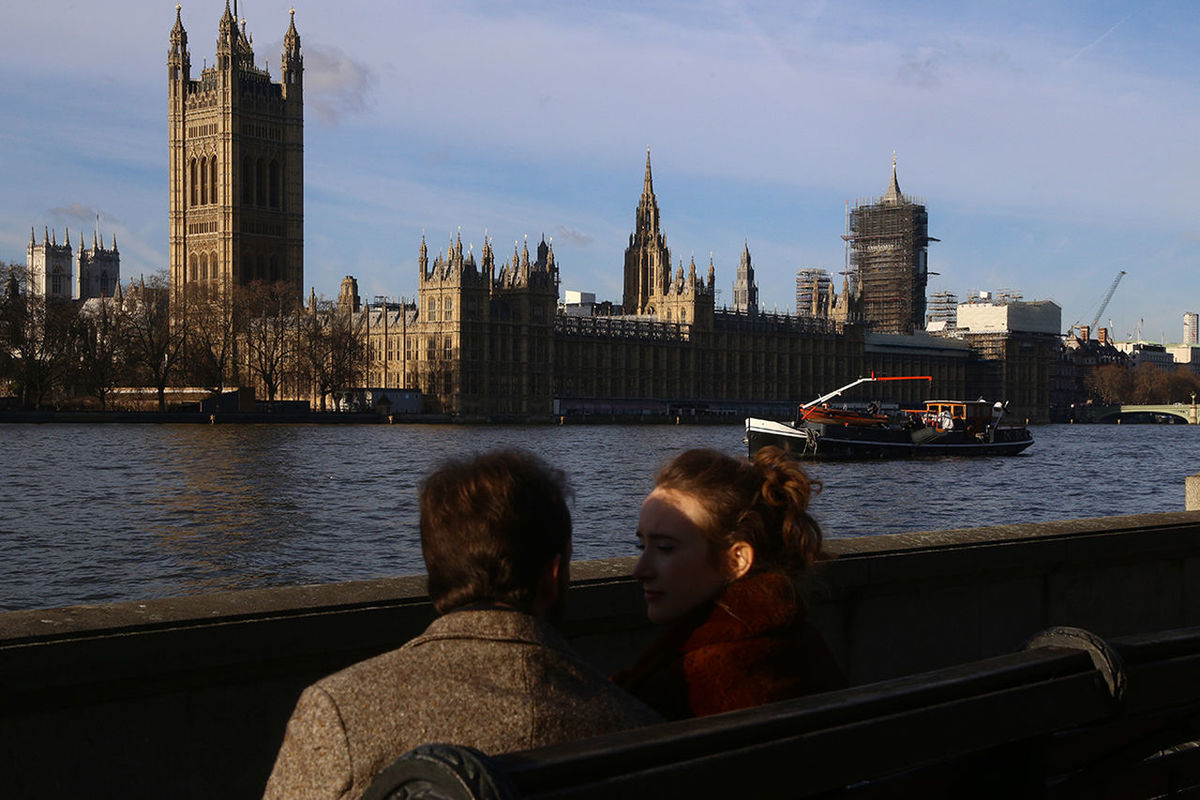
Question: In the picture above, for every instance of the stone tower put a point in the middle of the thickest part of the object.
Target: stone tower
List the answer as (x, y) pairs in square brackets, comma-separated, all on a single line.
[(745, 288), (99, 270), (236, 174), (888, 242), (48, 266), (647, 259)]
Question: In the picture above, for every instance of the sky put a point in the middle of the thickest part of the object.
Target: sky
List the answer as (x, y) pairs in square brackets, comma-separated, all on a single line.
[(1054, 144)]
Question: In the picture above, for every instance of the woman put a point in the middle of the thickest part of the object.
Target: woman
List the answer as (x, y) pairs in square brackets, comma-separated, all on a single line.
[(724, 542)]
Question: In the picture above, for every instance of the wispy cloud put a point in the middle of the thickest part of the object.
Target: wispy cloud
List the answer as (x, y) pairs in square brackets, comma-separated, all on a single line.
[(1081, 51), (335, 84)]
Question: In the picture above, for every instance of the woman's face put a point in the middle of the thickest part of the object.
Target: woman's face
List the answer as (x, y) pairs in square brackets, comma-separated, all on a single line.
[(676, 569)]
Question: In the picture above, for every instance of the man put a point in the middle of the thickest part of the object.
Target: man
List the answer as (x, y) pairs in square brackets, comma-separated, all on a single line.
[(489, 673)]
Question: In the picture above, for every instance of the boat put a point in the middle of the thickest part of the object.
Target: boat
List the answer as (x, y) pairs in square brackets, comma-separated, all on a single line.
[(939, 428)]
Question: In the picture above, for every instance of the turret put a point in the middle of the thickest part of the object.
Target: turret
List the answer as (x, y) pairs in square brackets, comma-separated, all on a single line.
[(292, 63), (179, 64), (226, 38)]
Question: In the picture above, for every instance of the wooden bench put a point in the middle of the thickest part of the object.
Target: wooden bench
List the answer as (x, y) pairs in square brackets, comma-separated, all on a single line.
[(1068, 716)]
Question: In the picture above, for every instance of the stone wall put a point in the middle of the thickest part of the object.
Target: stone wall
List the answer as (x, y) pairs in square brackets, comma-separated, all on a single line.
[(189, 696)]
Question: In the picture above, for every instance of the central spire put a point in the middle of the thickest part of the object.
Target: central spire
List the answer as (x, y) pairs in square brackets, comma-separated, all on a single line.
[(893, 196), (648, 185)]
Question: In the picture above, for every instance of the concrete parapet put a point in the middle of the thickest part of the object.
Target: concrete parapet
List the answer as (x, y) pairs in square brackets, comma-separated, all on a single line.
[(1192, 492), (189, 696)]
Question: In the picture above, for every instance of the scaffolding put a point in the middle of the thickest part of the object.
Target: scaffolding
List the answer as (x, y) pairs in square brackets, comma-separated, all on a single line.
[(943, 309), (886, 254), (814, 292)]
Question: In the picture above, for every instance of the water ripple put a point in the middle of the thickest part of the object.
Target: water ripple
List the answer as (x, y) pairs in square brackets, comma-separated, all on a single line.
[(120, 512)]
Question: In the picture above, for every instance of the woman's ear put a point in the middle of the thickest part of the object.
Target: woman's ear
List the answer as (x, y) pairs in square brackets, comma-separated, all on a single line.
[(741, 559)]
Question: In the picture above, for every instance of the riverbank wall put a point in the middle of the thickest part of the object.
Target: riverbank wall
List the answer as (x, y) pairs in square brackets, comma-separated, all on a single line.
[(189, 696)]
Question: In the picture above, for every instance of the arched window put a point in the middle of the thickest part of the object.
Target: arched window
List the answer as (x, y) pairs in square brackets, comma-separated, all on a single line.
[(212, 179), (194, 183), (203, 182), (274, 184), (247, 182), (260, 193), (274, 268), (203, 266), (195, 269)]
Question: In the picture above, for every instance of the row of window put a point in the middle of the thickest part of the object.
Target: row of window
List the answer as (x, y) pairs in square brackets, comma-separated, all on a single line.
[(262, 182), (204, 266)]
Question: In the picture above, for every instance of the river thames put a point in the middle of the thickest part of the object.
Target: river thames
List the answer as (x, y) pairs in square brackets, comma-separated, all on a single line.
[(101, 513)]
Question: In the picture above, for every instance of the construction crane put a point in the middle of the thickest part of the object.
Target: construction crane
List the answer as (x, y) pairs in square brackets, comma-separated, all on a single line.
[(1107, 296), (1103, 305)]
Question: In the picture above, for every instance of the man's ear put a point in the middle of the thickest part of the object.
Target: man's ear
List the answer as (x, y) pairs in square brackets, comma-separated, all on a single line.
[(549, 588), (741, 559)]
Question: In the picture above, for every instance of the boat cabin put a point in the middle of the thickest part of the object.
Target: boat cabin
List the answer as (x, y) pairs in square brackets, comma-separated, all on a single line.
[(973, 415)]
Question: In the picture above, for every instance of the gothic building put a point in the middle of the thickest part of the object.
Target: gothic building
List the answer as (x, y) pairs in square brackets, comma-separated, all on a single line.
[(479, 339), (745, 289), (888, 245), (236, 174), (98, 270), (48, 266), (647, 258)]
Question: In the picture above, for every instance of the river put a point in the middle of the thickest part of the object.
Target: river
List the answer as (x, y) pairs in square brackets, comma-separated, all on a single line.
[(111, 512)]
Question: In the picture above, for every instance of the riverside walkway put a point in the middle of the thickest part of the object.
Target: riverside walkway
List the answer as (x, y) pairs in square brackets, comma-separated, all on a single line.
[(189, 696)]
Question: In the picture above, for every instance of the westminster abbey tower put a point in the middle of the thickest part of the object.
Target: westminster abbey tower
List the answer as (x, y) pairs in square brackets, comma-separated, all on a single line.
[(236, 163)]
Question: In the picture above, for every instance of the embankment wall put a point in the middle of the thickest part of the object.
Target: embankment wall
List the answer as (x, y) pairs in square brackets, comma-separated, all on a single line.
[(189, 696)]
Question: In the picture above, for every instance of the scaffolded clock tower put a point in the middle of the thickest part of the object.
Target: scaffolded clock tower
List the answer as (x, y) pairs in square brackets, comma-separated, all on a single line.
[(236, 164)]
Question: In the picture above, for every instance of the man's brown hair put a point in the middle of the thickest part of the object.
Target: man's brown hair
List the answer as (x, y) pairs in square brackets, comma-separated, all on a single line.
[(489, 525)]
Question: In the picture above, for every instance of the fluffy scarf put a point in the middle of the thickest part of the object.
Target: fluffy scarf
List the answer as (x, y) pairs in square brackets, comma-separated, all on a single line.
[(750, 645)]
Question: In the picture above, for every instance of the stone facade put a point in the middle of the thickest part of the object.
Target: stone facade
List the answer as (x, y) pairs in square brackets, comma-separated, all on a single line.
[(483, 342), (48, 266), (236, 174), (98, 270)]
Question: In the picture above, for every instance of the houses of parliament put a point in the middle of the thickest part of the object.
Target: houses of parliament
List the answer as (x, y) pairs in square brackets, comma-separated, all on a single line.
[(489, 339)]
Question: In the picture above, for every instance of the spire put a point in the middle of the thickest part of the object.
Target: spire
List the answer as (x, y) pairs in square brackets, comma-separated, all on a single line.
[(892, 196), (32, 240), (114, 242), (178, 35), (647, 211)]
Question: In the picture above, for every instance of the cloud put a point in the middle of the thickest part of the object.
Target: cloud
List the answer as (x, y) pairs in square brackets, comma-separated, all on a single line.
[(76, 211), (577, 238), (921, 69), (336, 85)]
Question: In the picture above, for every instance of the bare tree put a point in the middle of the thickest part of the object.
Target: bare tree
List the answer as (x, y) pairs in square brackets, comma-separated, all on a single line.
[(1110, 384), (36, 335), (100, 350), (156, 342), (212, 335), (334, 352), (271, 316)]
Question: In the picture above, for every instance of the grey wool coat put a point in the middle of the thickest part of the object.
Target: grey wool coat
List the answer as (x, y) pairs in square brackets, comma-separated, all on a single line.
[(494, 679)]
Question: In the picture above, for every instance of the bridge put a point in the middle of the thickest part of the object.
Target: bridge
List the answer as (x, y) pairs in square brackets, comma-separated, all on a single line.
[(1182, 412)]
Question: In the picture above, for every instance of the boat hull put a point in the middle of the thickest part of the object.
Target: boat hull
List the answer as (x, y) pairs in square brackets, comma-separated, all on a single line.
[(821, 441)]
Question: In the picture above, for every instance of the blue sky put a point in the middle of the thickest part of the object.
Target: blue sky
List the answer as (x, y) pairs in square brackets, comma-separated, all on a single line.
[(1053, 143)]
